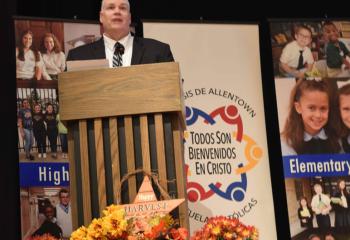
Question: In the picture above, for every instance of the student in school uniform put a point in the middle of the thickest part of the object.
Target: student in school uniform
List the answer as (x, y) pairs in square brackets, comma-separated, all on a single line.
[(308, 129)]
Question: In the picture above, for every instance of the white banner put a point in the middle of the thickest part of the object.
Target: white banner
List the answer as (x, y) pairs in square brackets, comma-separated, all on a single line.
[(226, 147)]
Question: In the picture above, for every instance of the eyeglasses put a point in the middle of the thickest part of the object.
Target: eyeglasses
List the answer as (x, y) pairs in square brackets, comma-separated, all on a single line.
[(304, 36)]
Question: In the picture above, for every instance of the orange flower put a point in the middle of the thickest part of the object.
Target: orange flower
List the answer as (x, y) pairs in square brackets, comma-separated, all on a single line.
[(115, 225), (179, 234), (225, 228), (156, 230)]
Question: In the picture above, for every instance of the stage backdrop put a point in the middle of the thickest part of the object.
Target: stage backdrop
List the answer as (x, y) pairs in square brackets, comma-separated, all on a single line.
[(314, 138), (226, 147), (43, 159)]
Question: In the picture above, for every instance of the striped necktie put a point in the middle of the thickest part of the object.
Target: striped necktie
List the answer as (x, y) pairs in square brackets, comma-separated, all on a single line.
[(117, 57)]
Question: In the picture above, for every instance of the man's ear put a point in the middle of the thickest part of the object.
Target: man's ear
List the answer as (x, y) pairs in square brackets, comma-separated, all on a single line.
[(101, 16)]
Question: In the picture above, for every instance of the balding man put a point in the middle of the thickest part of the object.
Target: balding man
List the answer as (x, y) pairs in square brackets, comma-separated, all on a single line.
[(117, 44)]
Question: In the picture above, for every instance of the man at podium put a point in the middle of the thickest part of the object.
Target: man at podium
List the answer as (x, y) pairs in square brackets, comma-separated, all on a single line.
[(117, 44)]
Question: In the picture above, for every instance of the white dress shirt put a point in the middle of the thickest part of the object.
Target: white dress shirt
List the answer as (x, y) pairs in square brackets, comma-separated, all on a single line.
[(288, 150), (126, 41), (290, 54), (55, 63), (320, 202)]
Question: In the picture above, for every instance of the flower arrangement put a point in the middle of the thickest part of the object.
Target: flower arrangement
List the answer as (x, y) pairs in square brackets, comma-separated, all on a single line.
[(224, 228), (44, 237), (314, 74), (114, 225)]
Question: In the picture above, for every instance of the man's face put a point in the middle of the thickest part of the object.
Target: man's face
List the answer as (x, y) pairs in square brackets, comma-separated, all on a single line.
[(115, 17), (318, 189), (64, 199)]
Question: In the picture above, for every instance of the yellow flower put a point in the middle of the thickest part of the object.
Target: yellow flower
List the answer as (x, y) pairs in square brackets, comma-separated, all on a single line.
[(209, 226), (96, 230), (113, 209), (245, 233), (115, 224), (255, 234), (228, 235), (216, 230), (168, 220), (79, 234), (154, 221)]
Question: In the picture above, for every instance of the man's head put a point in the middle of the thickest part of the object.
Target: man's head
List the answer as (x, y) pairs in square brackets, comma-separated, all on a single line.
[(318, 188), (64, 196), (115, 17)]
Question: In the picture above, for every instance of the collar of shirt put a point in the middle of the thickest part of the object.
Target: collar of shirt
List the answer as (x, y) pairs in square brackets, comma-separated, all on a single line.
[(320, 135), (296, 46), (126, 41), (64, 208)]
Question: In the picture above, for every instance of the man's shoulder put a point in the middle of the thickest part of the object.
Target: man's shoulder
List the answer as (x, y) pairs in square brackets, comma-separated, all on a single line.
[(84, 51), (88, 45), (150, 42)]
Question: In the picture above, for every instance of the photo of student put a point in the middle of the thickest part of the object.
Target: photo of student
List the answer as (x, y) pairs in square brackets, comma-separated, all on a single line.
[(337, 54), (29, 64), (41, 46), (305, 213), (51, 129), (49, 226), (321, 205), (296, 57), (63, 133), (39, 129), (328, 42), (64, 213), (340, 202), (344, 109), (308, 129), (25, 125), (53, 57), (314, 124)]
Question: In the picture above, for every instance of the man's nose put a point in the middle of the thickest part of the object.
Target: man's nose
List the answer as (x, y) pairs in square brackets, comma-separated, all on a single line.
[(116, 11)]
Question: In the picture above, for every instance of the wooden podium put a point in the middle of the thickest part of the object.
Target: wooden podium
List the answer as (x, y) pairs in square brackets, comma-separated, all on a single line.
[(119, 120)]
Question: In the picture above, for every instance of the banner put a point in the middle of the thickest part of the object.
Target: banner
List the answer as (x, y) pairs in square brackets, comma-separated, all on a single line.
[(41, 48), (312, 73), (225, 142)]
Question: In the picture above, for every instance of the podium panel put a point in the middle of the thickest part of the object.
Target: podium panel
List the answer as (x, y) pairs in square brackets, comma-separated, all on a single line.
[(108, 140)]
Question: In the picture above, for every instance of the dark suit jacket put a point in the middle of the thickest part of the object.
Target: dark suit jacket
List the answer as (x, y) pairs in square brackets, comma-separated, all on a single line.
[(144, 51)]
